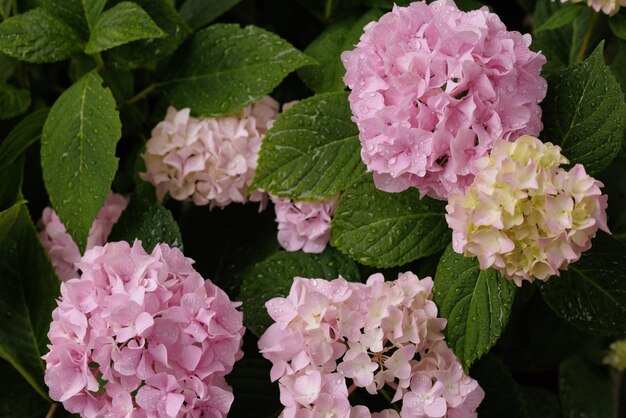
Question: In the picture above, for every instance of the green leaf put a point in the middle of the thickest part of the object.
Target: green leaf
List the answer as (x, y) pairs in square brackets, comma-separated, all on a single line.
[(589, 29), (11, 177), (477, 304), (199, 13), (25, 133), (26, 301), (312, 152), (618, 66), (255, 394), (564, 16), (387, 229), (7, 67), (273, 277), (591, 293), (585, 114), (37, 36), (13, 101), (123, 23), (226, 67), (617, 24), (585, 389), (504, 397), (149, 53), (17, 397), (148, 221), (78, 14), (326, 49), (78, 153), (554, 44), (7, 219)]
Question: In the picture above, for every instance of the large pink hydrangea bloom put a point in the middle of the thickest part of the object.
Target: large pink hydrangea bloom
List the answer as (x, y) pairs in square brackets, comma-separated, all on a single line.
[(304, 225), (433, 87), (523, 214), (375, 334), (211, 161), (61, 248), (142, 335), (609, 7)]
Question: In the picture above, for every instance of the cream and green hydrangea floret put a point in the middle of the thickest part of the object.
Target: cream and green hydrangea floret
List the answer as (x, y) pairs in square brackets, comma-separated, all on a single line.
[(524, 214)]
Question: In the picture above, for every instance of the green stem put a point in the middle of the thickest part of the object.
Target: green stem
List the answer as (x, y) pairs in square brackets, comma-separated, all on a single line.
[(13, 7), (328, 10), (583, 48), (52, 410), (98, 59), (142, 94)]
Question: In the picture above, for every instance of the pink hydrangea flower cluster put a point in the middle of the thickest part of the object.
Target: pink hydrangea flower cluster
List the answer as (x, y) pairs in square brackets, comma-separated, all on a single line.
[(523, 214), (304, 225), (329, 333), (433, 87), (609, 7), (213, 160), (142, 335), (61, 248)]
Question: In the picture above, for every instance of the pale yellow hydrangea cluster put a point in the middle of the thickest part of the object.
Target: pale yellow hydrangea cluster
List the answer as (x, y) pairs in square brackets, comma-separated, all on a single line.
[(616, 357), (609, 7), (523, 214)]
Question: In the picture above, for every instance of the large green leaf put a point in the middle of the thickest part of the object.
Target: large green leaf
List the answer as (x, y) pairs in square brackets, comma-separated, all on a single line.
[(589, 29), (584, 113), (26, 301), (148, 221), (78, 153), (37, 36), (554, 44), (123, 23), (585, 389), (199, 13), (563, 16), (312, 151), (79, 14), (388, 229), (17, 398), (326, 49), (477, 304), (618, 66), (8, 218), (273, 277), (591, 293), (25, 133), (13, 101), (225, 68), (151, 52)]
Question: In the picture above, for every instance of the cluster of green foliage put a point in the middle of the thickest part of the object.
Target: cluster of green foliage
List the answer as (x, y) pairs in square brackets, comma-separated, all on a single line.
[(82, 83)]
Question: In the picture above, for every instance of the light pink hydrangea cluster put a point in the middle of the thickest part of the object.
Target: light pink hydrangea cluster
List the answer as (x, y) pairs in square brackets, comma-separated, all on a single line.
[(211, 161), (142, 335), (61, 248), (330, 333), (433, 87), (523, 214), (609, 7), (304, 225)]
